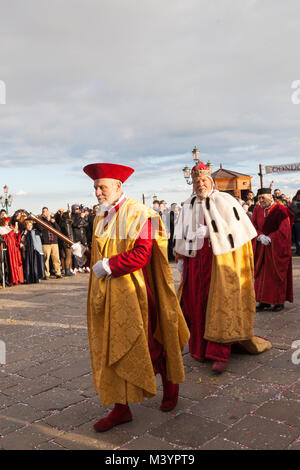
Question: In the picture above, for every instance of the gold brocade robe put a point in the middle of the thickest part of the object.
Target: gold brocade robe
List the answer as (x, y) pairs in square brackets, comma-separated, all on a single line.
[(117, 311), (231, 306)]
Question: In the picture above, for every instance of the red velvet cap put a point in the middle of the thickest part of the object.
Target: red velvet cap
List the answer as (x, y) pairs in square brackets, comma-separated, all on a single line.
[(108, 170)]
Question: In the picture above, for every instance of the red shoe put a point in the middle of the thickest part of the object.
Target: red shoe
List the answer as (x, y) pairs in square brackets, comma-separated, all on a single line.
[(120, 414), (170, 390), (170, 396), (219, 366)]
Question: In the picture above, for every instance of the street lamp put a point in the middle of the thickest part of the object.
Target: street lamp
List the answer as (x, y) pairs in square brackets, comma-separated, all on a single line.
[(187, 171), (7, 199), (187, 174), (196, 153)]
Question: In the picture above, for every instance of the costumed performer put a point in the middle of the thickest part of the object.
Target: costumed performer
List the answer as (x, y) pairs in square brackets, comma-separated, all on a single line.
[(214, 252), (135, 325)]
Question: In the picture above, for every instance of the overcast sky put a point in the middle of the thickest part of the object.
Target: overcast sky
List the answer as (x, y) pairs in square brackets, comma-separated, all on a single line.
[(141, 82)]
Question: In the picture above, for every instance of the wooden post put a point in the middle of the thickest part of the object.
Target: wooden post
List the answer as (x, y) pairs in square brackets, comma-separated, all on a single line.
[(143, 198), (260, 174)]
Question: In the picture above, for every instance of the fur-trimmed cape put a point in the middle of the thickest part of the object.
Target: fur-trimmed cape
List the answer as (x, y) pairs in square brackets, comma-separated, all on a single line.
[(228, 224)]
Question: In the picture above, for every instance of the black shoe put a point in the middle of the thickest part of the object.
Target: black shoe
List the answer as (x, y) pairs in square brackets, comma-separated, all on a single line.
[(278, 308), (263, 307), (59, 276), (68, 273)]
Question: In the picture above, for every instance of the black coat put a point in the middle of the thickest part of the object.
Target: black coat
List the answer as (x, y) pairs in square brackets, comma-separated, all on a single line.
[(80, 228)]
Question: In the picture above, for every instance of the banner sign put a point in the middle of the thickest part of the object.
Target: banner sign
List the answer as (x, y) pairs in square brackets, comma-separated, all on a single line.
[(282, 168)]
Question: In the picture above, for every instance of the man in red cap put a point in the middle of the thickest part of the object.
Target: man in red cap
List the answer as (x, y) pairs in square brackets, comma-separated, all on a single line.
[(213, 245), (135, 324), (272, 253)]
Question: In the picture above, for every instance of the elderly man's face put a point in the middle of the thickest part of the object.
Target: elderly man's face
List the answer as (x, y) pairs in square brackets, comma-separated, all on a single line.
[(265, 200), (107, 191), (202, 186)]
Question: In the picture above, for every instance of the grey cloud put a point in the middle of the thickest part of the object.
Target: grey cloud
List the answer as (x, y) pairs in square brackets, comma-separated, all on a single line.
[(135, 81)]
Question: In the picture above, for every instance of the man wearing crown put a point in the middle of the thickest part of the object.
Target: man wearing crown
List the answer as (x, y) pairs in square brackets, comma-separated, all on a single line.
[(135, 324), (272, 253), (214, 252)]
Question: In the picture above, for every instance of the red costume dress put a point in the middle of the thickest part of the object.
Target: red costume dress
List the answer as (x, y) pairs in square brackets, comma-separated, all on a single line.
[(195, 290), (12, 241), (273, 262)]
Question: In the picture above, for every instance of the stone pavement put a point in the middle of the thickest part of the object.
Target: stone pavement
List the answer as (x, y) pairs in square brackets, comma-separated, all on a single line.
[(47, 400)]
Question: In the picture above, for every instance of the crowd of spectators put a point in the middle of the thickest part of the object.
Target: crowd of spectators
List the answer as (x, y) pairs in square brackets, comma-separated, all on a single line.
[(30, 253)]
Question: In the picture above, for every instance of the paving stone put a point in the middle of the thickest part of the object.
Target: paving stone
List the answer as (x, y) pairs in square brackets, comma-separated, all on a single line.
[(27, 438), (81, 383), (284, 362), (222, 409), (207, 376), (6, 401), (241, 364), (86, 438), (23, 354), (261, 434), (27, 387), (47, 345), (273, 375), (197, 430), (145, 419), (196, 389), (54, 399), (148, 442), (295, 445), (89, 392), (287, 411), (15, 367), (75, 415), (7, 381), (49, 446), (292, 392), (18, 416), (251, 391), (220, 443), (78, 368)]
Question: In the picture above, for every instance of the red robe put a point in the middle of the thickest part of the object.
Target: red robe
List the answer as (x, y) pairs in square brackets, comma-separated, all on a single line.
[(273, 263), (195, 290), (12, 241)]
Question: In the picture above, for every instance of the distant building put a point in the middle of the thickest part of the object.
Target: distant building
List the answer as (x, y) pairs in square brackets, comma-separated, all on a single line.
[(232, 182)]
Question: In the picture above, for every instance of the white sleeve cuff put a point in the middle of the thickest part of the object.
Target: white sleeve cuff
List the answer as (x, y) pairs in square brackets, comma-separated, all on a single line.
[(105, 264)]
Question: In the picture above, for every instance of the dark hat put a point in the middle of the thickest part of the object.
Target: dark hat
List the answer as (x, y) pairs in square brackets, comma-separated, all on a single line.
[(74, 207), (264, 191)]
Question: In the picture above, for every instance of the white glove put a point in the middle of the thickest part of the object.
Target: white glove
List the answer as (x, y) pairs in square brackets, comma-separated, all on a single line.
[(102, 268), (78, 249), (202, 231), (180, 265), (99, 270), (264, 239)]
